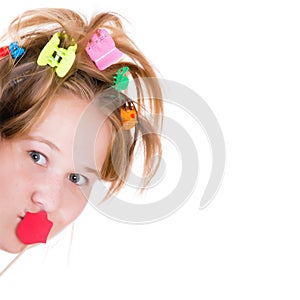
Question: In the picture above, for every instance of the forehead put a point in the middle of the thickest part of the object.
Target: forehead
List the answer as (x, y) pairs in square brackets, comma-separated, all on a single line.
[(63, 113), (75, 129)]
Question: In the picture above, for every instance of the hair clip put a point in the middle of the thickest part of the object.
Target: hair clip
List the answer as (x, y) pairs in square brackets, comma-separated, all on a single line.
[(102, 49), (128, 115), (13, 49), (59, 58), (4, 51), (121, 81)]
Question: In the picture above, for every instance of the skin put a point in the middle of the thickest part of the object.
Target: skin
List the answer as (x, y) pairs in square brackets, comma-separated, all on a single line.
[(37, 170)]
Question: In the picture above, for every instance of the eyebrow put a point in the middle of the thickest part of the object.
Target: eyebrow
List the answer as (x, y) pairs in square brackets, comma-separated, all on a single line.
[(44, 141), (93, 171), (53, 146)]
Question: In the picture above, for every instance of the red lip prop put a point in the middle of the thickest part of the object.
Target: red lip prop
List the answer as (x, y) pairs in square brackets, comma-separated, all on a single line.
[(34, 228)]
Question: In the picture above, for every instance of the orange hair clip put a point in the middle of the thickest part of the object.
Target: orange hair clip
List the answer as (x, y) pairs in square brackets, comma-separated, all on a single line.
[(128, 115)]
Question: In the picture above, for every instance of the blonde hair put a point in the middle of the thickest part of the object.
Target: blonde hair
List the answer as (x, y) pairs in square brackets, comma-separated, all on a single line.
[(27, 89)]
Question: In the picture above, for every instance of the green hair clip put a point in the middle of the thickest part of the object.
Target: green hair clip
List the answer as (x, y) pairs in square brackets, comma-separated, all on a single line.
[(121, 81)]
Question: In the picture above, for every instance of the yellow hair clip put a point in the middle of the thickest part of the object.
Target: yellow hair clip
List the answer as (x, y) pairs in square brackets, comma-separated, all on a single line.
[(59, 58)]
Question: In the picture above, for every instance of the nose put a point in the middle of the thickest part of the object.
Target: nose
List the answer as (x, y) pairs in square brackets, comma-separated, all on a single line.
[(47, 194)]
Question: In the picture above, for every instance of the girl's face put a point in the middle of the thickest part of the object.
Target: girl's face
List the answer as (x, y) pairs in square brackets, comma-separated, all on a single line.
[(37, 171)]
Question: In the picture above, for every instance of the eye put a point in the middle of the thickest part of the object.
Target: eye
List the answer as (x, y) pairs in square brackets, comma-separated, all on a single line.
[(77, 179), (38, 158)]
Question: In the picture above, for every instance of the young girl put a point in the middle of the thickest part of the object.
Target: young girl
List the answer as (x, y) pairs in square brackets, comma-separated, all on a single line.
[(53, 64)]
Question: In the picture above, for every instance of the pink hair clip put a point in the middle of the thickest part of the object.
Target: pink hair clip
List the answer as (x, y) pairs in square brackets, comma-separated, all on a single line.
[(102, 49)]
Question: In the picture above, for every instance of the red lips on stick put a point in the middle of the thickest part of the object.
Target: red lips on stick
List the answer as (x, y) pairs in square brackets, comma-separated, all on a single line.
[(34, 228)]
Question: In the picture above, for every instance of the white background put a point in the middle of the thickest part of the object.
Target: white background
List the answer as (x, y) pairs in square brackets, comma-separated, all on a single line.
[(242, 58)]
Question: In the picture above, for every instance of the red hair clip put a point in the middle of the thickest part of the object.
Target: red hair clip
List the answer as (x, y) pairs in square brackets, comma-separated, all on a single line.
[(4, 51)]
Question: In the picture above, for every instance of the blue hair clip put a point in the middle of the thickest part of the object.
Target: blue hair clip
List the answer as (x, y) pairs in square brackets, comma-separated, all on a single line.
[(15, 50)]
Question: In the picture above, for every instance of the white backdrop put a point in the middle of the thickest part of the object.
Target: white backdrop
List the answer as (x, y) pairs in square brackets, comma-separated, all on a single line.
[(242, 58)]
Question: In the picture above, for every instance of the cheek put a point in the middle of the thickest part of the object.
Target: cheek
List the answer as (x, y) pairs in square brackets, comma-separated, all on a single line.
[(76, 205), (71, 206), (15, 179)]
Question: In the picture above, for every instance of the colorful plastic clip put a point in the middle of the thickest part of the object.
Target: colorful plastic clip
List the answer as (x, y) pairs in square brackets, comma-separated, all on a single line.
[(13, 49), (102, 49), (59, 58), (128, 115), (121, 81), (4, 51)]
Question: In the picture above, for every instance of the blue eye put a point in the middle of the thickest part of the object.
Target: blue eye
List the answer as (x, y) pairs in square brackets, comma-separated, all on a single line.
[(38, 158), (77, 179)]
